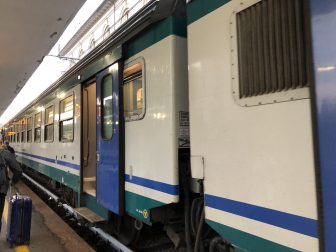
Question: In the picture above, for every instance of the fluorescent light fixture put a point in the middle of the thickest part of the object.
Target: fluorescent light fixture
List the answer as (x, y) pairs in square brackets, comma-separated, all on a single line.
[(326, 68)]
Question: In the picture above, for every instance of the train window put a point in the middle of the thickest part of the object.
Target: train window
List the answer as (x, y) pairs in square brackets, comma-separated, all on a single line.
[(107, 109), (133, 87), (29, 129), (23, 131), (17, 138), (37, 127), (66, 128), (49, 124), (17, 129), (269, 42), (66, 119), (12, 134), (18, 132)]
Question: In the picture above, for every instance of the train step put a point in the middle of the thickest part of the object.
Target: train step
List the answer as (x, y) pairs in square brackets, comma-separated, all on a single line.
[(87, 214)]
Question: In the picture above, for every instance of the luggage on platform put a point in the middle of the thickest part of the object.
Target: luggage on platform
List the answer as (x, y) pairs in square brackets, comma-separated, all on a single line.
[(19, 220)]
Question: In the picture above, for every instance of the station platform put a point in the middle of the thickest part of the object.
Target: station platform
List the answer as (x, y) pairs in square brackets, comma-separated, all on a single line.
[(48, 231)]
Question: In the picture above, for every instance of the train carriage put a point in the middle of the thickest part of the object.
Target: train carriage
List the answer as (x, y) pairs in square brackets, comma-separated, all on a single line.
[(108, 132), (250, 122), (112, 135)]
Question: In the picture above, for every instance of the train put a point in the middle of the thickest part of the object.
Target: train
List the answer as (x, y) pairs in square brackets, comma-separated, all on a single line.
[(206, 119)]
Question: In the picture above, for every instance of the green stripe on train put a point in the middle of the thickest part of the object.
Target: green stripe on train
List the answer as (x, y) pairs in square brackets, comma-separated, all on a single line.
[(66, 178), (199, 8), (247, 242), (139, 206), (155, 33)]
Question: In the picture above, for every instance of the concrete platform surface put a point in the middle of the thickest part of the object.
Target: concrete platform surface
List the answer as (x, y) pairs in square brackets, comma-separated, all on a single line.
[(49, 233)]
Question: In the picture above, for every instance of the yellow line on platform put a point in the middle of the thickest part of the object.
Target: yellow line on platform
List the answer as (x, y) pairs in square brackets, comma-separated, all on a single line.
[(5, 212), (22, 248)]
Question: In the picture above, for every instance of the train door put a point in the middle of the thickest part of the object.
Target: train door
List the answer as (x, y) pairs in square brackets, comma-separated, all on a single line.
[(89, 139), (110, 139)]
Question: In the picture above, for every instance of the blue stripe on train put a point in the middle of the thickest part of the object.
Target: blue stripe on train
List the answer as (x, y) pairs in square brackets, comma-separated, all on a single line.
[(284, 220), (158, 186), (50, 160)]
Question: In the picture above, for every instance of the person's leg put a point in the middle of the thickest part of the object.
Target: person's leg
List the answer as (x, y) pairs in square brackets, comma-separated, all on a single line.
[(2, 205)]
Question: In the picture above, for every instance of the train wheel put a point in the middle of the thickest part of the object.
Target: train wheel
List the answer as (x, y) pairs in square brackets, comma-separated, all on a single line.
[(129, 232), (126, 228)]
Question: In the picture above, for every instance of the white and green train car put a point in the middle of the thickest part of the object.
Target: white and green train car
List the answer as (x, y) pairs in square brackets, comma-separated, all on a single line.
[(108, 132), (112, 135), (250, 122)]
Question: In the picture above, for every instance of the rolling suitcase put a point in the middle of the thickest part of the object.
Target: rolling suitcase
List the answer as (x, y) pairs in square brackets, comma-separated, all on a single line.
[(19, 220)]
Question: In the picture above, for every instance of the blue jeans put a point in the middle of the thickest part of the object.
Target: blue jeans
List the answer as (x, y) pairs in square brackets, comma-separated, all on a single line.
[(2, 205)]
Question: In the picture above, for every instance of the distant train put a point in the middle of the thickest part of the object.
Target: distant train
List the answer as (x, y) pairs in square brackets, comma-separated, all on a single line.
[(195, 118)]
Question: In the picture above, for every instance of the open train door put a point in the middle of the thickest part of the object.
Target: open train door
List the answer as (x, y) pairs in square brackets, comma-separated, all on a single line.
[(110, 139)]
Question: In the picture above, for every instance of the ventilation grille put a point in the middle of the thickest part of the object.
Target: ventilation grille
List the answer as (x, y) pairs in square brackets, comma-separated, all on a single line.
[(271, 47)]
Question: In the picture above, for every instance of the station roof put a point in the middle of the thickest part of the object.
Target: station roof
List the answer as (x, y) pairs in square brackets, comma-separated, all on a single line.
[(28, 31)]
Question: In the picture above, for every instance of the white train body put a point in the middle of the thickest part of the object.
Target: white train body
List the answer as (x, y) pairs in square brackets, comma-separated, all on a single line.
[(151, 143), (251, 162), (256, 160), (54, 158), (151, 139)]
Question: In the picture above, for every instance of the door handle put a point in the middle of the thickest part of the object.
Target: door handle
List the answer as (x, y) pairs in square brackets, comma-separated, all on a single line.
[(97, 157)]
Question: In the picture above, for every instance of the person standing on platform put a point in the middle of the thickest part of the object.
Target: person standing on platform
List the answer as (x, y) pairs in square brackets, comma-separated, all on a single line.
[(7, 159), (8, 147)]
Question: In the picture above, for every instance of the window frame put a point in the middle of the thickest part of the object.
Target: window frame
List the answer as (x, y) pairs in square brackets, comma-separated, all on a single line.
[(31, 129), (14, 133), (23, 131), (40, 127), (17, 132), (49, 124), (17, 138), (102, 108), (67, 119), (127, 65), (11, 131)]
